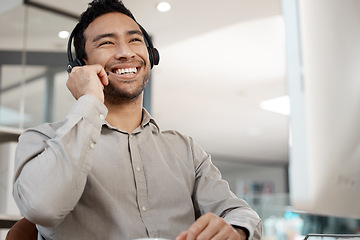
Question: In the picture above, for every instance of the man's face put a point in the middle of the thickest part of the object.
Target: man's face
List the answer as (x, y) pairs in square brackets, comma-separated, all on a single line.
[(116, 42)]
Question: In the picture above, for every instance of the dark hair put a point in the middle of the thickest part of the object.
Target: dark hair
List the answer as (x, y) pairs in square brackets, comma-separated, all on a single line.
[(95, 9)]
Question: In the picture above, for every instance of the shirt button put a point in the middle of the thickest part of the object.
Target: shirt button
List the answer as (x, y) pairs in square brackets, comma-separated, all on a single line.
[(92, 145), (143, 208), (138, 169), (131, 136), (102, 116)]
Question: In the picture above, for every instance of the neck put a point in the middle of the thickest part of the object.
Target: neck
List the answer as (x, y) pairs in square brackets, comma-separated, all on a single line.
[(126, 116)]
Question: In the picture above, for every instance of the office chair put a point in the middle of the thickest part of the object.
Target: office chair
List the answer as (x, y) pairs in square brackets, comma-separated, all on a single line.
[(22, 230)]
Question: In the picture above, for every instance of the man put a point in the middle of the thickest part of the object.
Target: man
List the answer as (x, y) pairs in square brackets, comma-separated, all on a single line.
[(106, 171)]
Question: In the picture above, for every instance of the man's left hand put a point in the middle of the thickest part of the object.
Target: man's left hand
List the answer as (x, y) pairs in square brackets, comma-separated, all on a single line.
[(210, 226)]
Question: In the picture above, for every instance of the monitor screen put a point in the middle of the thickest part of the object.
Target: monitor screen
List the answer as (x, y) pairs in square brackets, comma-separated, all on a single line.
[(323, 76)]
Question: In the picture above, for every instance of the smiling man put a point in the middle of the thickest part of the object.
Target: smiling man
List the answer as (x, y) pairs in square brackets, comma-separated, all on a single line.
[(107, 171)]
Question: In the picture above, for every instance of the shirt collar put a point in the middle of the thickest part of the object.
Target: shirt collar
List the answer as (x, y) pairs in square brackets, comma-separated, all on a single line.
[(147, 119)]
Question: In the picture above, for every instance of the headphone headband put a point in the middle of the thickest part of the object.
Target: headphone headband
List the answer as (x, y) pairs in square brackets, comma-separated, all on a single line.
[(154, 55)]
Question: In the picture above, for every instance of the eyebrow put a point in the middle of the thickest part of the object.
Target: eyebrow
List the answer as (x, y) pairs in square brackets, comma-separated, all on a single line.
[(100, 36), (105, 35)]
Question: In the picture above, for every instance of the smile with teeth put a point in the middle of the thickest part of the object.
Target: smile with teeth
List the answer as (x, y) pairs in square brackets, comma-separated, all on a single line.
[(125, 71)]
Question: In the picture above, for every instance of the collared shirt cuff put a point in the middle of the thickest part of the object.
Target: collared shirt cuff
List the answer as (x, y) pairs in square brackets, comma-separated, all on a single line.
[(88, 107)]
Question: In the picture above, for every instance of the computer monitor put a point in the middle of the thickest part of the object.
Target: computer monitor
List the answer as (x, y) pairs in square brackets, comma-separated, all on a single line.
[(323, 77)]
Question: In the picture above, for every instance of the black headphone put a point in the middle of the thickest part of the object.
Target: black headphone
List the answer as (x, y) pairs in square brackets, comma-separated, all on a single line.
[(154, 55)]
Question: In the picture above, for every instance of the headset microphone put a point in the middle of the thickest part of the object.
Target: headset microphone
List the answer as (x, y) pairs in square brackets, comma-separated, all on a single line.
[(154, 55)]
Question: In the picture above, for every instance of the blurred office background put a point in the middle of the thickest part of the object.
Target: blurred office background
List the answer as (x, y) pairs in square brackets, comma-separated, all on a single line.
[(221, 79)]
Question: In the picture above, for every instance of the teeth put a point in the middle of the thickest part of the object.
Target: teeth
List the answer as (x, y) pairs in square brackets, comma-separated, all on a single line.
[(126, 71)]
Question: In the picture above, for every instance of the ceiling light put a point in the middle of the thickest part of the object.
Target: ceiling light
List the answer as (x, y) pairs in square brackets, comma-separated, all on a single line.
[(63, 34), (163, 7), (279, 105)]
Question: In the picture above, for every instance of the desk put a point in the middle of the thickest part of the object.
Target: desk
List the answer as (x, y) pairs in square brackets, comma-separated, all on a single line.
[(8, 134), (332, 236), (7, 221)]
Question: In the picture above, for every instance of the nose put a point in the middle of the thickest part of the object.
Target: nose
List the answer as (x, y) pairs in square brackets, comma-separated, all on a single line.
[(124, 51)]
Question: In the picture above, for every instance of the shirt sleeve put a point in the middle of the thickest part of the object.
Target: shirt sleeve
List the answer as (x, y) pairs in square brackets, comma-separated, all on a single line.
[(52, 163), (212, 194)]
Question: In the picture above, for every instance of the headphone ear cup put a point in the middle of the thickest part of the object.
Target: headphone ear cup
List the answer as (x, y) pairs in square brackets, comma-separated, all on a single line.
[(73, 64), (154, 56), (70, 66), (151, 58)]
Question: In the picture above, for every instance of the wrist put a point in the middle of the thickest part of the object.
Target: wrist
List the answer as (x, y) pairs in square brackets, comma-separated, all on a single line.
[(244, 233)]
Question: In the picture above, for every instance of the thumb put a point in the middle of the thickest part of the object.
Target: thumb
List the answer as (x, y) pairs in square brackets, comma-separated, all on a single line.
[(103, 76)]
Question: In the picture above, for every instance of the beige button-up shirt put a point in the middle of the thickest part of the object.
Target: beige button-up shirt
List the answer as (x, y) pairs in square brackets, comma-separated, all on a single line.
[(80, 178)]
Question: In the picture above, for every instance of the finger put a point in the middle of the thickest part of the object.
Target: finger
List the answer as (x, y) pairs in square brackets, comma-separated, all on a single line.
[(218, 229), (198, 226), (226, 232), (214, 229), (103, 76), (220, 235), (182, 236)]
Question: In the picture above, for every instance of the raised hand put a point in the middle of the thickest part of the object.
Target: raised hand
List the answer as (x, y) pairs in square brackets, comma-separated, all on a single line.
[(87, 80)]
